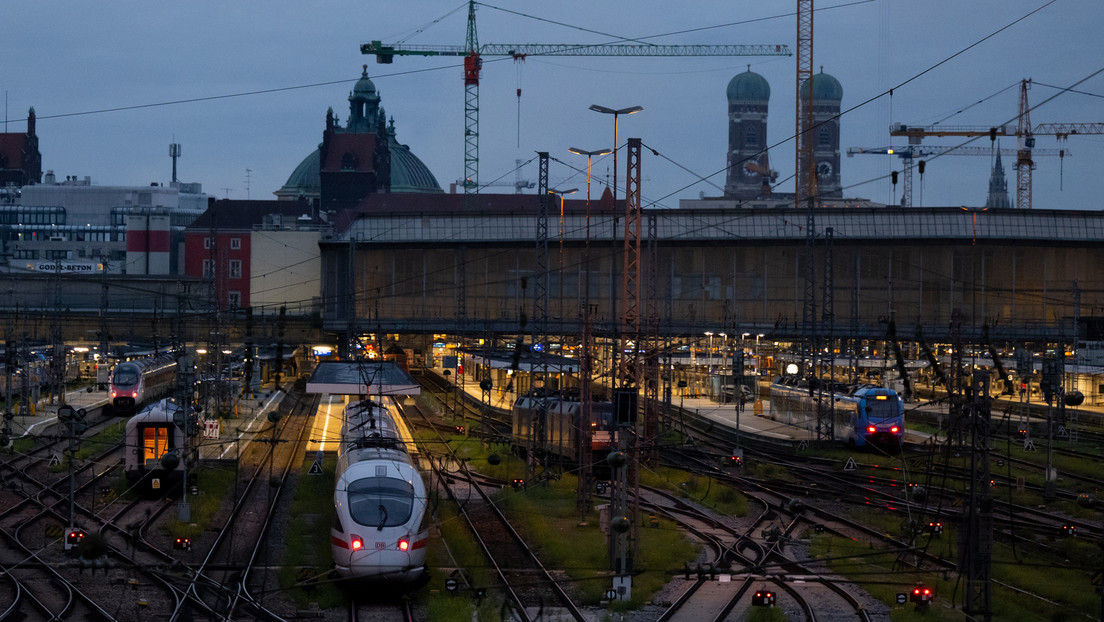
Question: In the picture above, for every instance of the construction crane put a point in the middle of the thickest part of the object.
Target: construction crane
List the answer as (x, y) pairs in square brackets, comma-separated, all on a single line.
[(1025, 138), (911, 152), (473, 54)]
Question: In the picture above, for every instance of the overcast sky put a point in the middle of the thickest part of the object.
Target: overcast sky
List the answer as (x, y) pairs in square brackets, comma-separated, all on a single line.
[(254, 79)]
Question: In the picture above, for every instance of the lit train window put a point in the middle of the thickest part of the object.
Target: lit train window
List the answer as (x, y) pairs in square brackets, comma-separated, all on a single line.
[(381, 501), (155, 442)]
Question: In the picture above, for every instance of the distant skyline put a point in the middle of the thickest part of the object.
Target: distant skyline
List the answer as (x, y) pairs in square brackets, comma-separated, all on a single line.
[(245, 86)]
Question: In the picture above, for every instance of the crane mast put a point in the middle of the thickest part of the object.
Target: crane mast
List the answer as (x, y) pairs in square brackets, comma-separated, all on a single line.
[(1025, 139), (473, 53)]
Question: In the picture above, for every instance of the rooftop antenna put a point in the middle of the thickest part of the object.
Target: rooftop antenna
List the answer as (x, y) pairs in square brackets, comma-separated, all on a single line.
[(174, 153), (247, 180)]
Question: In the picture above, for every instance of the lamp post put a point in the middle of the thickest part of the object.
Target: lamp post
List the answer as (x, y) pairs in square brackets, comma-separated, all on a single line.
[(589, 155), (709, 334), (561, 193), (756, 355), (615, 112)]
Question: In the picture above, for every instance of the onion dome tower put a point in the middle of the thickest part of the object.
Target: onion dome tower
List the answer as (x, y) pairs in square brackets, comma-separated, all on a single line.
[(749, 174), (827, 97)]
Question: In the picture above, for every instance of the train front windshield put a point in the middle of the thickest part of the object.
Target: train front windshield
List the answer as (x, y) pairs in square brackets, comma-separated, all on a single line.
[(381, 501), (126, 376), (881, 409)]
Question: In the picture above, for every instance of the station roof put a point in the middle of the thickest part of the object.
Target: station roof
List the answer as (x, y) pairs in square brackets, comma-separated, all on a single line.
[(524, 360), (361, 378)]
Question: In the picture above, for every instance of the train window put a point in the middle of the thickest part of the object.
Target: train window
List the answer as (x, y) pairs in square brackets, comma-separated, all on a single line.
[(126, 375), (381, 501), (155, 442)]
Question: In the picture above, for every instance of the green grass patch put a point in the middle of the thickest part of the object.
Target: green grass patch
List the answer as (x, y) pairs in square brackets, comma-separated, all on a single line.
[(304, 574), (1062, 580), (548, 519), (215, 486), (702, 489)]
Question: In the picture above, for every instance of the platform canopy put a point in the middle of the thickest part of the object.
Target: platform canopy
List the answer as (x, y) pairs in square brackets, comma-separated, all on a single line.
[(525, 361), (361, 378)]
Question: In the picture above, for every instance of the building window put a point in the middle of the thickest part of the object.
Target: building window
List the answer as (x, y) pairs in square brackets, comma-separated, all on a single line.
[(235, 268), (208, 269), (235, 243), (233, 298), (208, 243), (751, 137), (825, 137)]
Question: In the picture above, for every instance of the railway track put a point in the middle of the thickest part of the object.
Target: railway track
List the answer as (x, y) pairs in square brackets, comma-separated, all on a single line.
[(524, 584)]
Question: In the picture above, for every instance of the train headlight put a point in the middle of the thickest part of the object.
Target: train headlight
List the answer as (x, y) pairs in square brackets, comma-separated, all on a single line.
[(358, 543), (134, 394), (404, 544)]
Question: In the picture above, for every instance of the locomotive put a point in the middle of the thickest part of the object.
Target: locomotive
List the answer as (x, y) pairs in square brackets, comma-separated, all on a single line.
[(380, 529), (862, 414), (136, 382), (553, 417)]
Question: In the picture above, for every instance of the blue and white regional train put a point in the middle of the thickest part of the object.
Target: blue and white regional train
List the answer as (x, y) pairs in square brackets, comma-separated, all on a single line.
[(136, 382), (380, 530), (862, 414), (150, 435)]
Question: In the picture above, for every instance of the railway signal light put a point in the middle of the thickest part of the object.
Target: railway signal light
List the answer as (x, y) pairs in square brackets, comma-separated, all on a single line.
[(935, 528), (921, 594), (763, 598), (182, 544), (1069, 530), (518, 482), (73, 537)]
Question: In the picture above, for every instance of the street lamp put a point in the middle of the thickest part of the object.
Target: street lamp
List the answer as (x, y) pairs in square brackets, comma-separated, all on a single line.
[(709, 334), (589, 155), (615, 112), (561, 194)]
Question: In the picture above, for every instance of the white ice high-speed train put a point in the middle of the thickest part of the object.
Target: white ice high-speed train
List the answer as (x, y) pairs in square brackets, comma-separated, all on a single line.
[(380, 530)]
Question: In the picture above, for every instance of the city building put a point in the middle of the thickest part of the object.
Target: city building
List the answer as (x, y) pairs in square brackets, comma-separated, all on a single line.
[(20, 161)]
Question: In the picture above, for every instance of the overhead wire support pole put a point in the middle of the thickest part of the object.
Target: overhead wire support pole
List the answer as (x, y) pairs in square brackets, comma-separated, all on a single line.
[(537, 429)]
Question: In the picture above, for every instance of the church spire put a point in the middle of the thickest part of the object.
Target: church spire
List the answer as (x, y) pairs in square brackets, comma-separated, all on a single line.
[(998, 186)]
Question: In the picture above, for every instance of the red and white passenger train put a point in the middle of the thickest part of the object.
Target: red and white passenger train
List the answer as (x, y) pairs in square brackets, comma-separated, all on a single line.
[(380, 530)]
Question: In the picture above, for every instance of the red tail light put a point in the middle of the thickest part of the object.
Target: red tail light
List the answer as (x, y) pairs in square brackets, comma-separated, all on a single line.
[(358, 543), (895, 429), (404, 544), (872, 429)]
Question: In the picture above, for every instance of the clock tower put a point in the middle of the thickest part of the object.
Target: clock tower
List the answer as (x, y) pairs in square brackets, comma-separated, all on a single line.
[(749, 175), (827, 97)]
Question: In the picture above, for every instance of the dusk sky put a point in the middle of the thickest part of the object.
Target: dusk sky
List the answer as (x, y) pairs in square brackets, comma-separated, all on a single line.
[(245, 86)]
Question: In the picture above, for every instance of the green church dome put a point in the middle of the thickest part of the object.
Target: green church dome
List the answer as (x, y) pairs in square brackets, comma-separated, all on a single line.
[(825, 88), (748, 86)]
